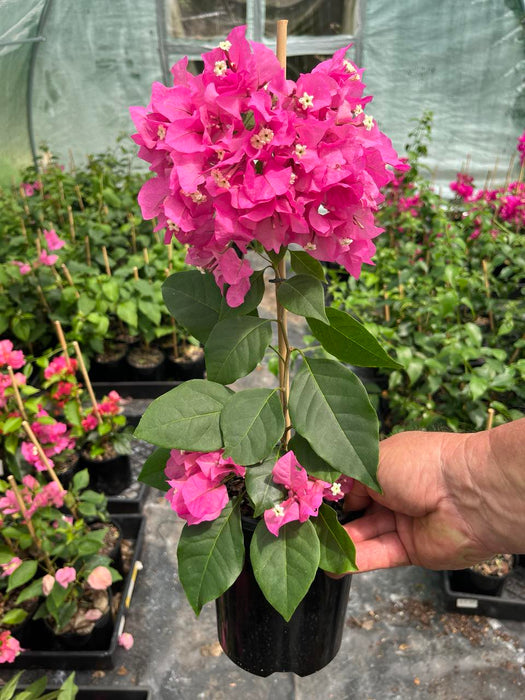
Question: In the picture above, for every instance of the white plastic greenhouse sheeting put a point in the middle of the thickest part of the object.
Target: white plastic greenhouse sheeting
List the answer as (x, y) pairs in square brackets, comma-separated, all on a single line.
[(463, 60)]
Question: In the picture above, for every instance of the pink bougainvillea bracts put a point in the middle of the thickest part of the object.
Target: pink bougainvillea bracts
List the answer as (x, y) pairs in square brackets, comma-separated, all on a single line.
[(9, 357), (305, 493), (9, 647), (240, 155), (53, 241), (9, 567), (521, 148), (61, 367), (100, 578), (197, 492)]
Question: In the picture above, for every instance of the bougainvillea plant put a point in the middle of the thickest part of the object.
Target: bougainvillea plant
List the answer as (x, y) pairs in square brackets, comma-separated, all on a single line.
[(257, 173)]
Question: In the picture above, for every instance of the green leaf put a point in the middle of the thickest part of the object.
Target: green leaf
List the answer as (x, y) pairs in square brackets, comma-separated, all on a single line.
[(12, 425), (33, 691), (477, 386), (349, 341), (194, 300), (211, 556), (186, 417), (110, 289), (303, 295), (9, 688), (81, 480), (34, 590), (235, 346), (252, 422), (72, 413), (330, 408), (264, 493), (337, 548), (152, 472), (314, 465), (285, 566), (127, 312), (23, 574), (14, 617), (303, 264), (69, 690)]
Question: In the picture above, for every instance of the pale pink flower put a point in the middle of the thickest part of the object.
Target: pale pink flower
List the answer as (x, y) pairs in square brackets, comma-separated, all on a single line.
[(10, 567), (65, 576), (60, 366), (126, 640), (47, 584), (25, 268), (100, 578)]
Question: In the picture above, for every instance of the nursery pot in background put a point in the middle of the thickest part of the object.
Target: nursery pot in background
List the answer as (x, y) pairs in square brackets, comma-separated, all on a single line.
[(258, 639), (111, 475), (188, 365), (146, 364), (110, 366)]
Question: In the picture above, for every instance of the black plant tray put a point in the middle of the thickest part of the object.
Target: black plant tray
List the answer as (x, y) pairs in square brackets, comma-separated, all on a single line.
[(132, 499), (510, 605), (137, 390), (133, 527)]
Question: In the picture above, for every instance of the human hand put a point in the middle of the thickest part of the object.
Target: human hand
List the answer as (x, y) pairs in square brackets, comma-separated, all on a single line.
[(436, 510)]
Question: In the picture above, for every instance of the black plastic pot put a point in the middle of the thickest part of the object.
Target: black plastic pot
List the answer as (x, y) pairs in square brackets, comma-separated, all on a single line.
[(98, 638), (154, 371), (66, 472), (185, 367), (258, 639), (112, 368), (487, 584), (111, 476)]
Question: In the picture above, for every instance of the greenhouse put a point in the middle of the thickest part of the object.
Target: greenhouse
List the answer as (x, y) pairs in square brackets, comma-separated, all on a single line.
[(262, 332)]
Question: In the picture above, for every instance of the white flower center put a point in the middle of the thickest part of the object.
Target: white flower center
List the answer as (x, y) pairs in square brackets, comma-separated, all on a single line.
[(306, 100), (358, 110), (225, 45), (220, 68), (310, 246), (336, 489), (161, 131), (368, 121), (349, 67), (278, 510), (300, 149)]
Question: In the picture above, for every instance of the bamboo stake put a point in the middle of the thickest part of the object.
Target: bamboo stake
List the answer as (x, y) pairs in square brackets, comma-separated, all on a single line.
[(135, 273), (45, 459), (106, 260), (487, 291), (57, 277), (131, 220), (63, 344), (282, 325), (87, 381), (69, 279), (71, 223), (156, 236), (24, 230), (387, 307), (79, 198), (490, 418), (145, 255), (38, 244), (61, 192), (16, 393), (88, 250), (170, 256), (24, 200)]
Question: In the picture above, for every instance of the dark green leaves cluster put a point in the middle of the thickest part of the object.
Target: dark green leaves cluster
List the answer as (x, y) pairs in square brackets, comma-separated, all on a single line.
[(335, 431)]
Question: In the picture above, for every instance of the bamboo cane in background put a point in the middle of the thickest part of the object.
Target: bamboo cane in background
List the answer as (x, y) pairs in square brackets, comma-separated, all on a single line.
[(106, 261), (88, 250), (16, 393), (71, 223), (87, 381), (487, 291)]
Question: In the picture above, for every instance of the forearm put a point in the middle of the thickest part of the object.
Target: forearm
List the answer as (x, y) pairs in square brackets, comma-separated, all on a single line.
[(488, 476)]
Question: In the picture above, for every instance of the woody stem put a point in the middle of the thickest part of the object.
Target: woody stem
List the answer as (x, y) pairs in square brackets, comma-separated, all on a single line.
[(284, 352)]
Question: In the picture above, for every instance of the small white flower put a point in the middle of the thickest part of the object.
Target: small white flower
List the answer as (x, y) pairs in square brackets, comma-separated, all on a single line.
[(322, 210), (346, 241), (161, 131), (300, 149), (293, 178), (310, 246), (336, 489), (220, 68), (349, 67), (225, 45), (278, 510), (306, 100), (172, 226), (358, 109), (368, 121)]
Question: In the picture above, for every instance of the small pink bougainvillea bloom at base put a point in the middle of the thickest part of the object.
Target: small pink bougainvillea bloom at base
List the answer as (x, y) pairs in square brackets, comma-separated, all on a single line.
[(100, 578), (9, 647), (25, 268), (93, 615), (197, 493), (126, 640), (65, 576)]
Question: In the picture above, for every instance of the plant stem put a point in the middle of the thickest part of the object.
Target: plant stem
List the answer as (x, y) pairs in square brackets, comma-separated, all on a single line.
[(284, 350)]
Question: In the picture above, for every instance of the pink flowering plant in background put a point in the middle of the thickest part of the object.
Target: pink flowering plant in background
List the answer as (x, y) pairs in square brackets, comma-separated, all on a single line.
[(263, 178)]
